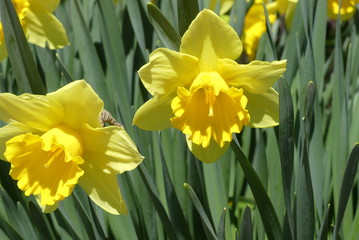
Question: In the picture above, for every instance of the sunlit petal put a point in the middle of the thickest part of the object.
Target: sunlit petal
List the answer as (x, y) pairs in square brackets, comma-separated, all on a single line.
[(102, 188), (255, 77), (44, 5), (155, 114), (36, 111), (167, 70), (80, 103), (111, 147), (44, 28), (263, 109), (209, 38)]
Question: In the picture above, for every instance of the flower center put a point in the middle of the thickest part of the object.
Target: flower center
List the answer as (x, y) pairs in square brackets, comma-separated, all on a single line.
[(47, 165), (210, 99), (209, 110)]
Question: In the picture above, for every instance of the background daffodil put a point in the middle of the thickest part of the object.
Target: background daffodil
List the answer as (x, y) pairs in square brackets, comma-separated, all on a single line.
[(347, 9), (56, 141), (203, 92), (40, 26)]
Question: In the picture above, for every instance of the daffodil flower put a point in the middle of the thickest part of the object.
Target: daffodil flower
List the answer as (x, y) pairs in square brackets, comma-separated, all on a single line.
[(203, 92), (347, 9), (254, 27), (56, 141), (40, 26)]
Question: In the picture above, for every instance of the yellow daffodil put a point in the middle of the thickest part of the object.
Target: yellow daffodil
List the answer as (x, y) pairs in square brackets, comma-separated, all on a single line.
[(283, 7), (56, 141), (254, 27), (40, 26), (347, 9), (203, 92)]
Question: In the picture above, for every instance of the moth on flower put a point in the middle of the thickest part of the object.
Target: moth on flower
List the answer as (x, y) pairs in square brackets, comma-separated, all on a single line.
[(40, 26), (56, 141), (202, 91)]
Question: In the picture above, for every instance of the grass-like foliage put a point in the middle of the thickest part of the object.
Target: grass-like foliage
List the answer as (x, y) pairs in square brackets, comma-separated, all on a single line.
[(297, 180)]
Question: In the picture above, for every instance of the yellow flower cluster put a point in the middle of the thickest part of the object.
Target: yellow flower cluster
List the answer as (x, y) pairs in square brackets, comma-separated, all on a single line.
[(55, 142)]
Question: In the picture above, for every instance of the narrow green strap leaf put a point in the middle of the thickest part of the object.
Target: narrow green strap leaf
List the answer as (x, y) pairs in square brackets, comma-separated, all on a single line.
[(67, 76), (246, 228), (64, 223), (22, 62), (167, 225), (346, 188), (286, 145), (41, 222), (221, 230), (210, 233), (174, 207), (268, 31), (165, 31), (90, 60), (305, 198), (237, 14), (10, 230), (187, 11), (309, 106), (136, 21), (266, 210), (324, 227)]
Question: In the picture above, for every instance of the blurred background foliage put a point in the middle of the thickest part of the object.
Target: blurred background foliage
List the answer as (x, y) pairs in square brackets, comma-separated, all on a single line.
[(305, 183)]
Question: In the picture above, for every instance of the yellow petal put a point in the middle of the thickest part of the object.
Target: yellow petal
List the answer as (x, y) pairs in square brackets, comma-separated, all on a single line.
[(44, 5), (43, 27), (347, 9), (263, 109), (255, 77), (35, 111), (42, 171), (209, 38), (254, 27), (167, 70), (9, 131), (111, 147), (155, 114), (80, 103), (209, 154), (102, 188)]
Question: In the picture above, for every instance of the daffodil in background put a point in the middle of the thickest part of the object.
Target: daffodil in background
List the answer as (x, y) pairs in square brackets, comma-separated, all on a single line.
[(56, 141), (203, 92), (254, 27), (40, 26), (347, 9), (285, 8)]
